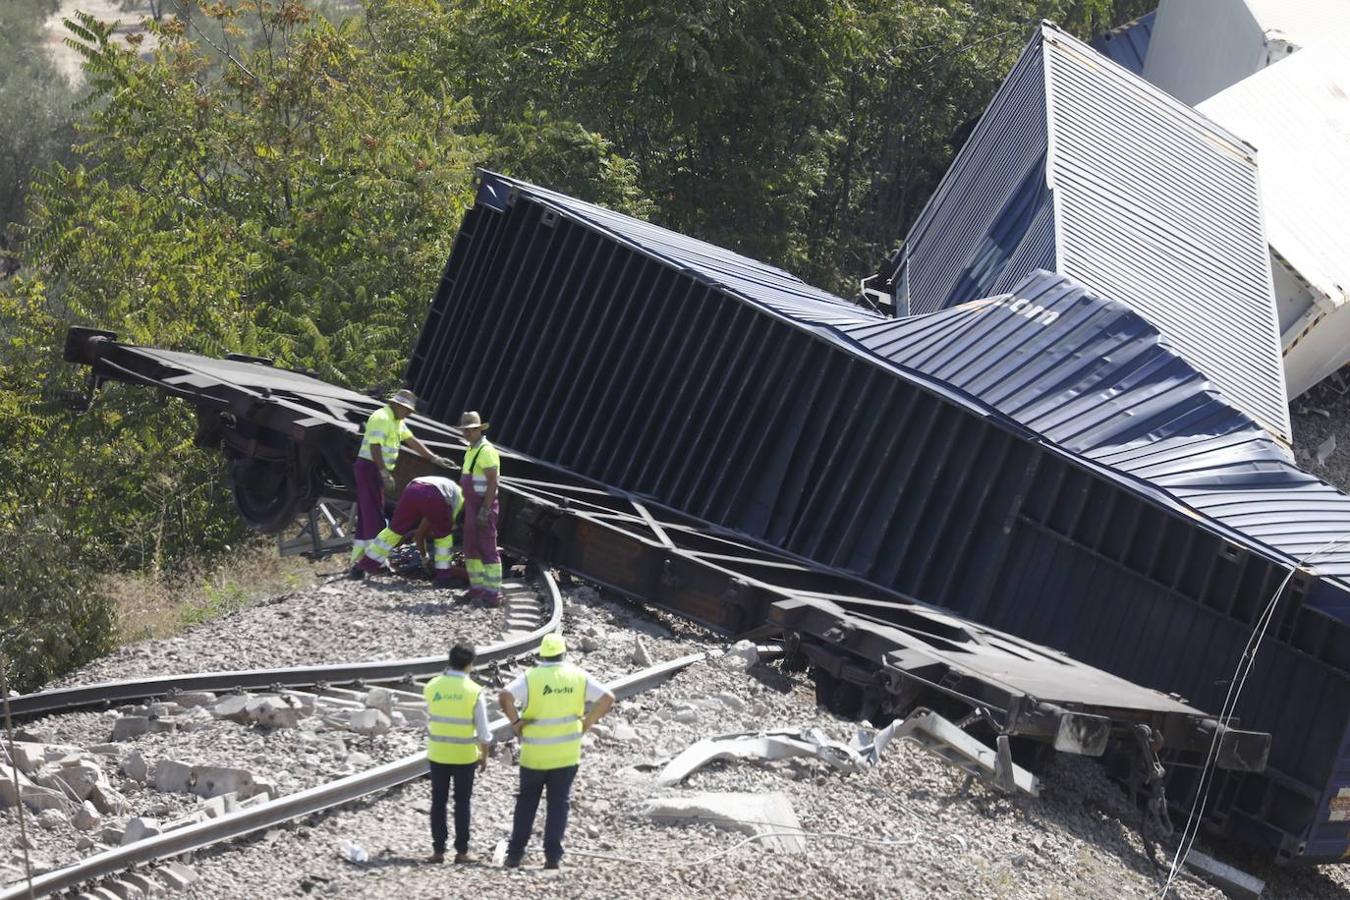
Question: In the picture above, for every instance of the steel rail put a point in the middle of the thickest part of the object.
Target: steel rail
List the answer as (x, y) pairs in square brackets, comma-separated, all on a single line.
[(62, 700), (291, 806)]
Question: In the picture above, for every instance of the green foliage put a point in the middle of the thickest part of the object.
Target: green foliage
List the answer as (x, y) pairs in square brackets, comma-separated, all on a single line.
[(50, 620), (807, 133), (35, 107)]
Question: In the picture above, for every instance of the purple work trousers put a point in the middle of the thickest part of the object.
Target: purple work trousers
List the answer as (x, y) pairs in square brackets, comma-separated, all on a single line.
[(369, 503)]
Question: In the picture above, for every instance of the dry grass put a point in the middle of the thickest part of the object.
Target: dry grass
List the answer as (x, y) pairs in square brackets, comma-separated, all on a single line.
[(149, 607)]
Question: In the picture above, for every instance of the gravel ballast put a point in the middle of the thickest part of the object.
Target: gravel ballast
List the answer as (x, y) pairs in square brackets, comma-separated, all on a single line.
[(928, 833)]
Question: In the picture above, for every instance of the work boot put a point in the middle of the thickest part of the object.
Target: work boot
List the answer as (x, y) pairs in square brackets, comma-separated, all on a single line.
[(491, 600), (356, 573), (370, 566), (438, 856), (512, 862), (553, 864), (463, 858)]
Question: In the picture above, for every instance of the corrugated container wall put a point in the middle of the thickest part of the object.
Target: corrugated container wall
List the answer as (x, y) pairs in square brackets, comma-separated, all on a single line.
[(1148, 202), (734, 392)]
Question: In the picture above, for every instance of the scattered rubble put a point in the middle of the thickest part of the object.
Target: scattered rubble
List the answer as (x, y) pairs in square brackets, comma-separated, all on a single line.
[(765, 816), (911, 825)]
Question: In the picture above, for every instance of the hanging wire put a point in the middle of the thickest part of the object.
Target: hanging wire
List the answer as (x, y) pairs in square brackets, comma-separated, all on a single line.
[(1236, 685)]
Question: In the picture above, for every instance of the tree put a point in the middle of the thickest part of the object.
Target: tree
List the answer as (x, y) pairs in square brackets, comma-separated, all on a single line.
[(807, 133), (35, 105)]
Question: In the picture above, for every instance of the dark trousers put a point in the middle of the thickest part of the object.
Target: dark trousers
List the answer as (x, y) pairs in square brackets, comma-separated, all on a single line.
[(441, 776), (533, 782)]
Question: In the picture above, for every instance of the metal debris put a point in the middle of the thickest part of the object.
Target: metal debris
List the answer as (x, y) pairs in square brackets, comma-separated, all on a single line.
[(945, 740), (1231, 880), (771, 745)]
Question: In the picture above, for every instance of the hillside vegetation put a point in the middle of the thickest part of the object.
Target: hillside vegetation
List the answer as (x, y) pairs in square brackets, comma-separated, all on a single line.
[(278, 179)]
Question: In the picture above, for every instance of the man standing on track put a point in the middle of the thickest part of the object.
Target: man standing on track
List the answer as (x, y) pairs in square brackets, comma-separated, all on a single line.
[(458, 743), (552, 700), (384, 432), (478, 478), (433, 499)]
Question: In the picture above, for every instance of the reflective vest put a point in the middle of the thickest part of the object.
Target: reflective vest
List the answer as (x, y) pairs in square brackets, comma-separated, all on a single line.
[(477, 460), (551, 738), (451, 736), (387, 430)]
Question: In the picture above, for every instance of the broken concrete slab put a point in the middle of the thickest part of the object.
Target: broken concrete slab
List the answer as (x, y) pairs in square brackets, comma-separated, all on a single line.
[(135, 767), (128, 727), (370, 721), (125, 890), (641, 657), (149, 887), (177, 875), (381, 699), (80, 778), (770, 745), (86, 817), (140, 827), (28, 757), (173, 777), (107, 800), (40, 799), (10, 789), (233, 708), (212, 781), (190, 699), (741, 655), (272, 712), (768, 815)]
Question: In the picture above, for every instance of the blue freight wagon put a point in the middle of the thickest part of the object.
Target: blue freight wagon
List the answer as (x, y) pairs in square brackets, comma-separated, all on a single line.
[(1043, 460)]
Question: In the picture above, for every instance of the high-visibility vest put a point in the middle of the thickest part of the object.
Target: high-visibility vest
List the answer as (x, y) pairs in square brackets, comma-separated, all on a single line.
[(551, 738), (477, 460), (451, 735), (387, 430)]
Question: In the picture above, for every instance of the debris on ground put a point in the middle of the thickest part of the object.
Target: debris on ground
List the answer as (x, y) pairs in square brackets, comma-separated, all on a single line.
[(768, 817)]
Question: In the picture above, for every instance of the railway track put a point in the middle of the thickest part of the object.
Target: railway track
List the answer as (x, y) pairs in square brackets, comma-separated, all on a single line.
[(535, 609), (547, 613), (108, 871)]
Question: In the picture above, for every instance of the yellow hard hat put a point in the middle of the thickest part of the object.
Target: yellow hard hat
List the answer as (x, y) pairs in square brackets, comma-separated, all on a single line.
[(552, 645)]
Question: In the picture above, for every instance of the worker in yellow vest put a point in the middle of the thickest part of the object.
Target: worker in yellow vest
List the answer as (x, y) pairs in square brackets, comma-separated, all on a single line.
[(458, 743), (373, 470), (478, 477), (547, 709)]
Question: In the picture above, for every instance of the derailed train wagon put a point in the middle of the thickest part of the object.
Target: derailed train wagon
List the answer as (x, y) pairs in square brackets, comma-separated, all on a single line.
[(1043, 461)]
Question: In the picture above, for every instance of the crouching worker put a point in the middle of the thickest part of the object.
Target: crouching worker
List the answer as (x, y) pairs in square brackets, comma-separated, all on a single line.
[(552, 717), (433, 499), (458, 743)]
